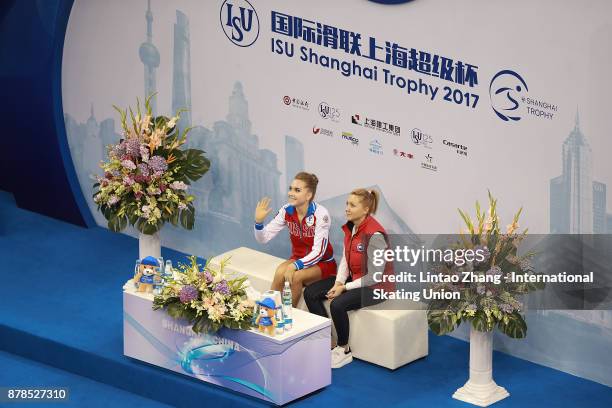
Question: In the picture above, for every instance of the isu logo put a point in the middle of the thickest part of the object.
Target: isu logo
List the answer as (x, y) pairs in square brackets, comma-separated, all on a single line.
[(240, 22)]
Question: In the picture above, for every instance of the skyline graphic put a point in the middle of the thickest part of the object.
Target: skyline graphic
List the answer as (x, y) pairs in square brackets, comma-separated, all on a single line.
[(577, 202)]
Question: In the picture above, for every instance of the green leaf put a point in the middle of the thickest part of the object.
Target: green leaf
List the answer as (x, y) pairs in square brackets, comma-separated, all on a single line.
[(479, 321), (187, 217), (516, 327), (175, 310), (193, 164)]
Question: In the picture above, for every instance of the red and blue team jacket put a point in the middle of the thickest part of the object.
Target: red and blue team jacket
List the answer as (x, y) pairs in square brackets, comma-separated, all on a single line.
[(309, 238)]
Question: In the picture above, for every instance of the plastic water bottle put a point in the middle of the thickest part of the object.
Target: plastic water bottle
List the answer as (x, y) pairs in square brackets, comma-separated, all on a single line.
[(168, 269), (287, 308), (280, 324)]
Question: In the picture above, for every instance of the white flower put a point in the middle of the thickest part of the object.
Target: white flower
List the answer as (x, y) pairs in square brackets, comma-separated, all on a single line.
[(178, 185), (172, 122)]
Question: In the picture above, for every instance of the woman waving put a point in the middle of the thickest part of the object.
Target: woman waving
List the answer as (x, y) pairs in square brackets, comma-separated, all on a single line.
[(312, 256)]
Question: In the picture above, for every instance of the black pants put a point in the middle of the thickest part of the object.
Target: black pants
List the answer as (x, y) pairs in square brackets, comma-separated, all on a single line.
[(353, 299)]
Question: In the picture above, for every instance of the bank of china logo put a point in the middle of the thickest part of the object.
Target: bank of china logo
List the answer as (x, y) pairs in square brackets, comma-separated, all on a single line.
[(240, 22), (505, 90)]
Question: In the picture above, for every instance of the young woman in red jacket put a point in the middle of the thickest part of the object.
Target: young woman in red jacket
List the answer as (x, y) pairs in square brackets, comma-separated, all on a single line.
[(353, 288), (312, 256)]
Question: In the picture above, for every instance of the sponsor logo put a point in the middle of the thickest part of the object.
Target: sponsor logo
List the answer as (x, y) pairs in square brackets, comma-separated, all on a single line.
[(460, 149), (376, 147), (400, 153), (375, 124), (329, 112), (322, 131), (350, 138), (239, 22), (428, 163), (310, 220), (296, 102), (421, 138)]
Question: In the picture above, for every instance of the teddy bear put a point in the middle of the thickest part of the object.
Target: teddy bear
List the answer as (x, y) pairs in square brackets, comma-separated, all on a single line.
[(266, 321), (148, 275)]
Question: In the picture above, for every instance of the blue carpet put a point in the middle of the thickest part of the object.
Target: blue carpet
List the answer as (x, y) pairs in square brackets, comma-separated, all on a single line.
[(18, 373), (61, 304)]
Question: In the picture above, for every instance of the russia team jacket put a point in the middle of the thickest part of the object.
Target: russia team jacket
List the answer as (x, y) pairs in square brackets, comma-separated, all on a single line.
[(309, 238)]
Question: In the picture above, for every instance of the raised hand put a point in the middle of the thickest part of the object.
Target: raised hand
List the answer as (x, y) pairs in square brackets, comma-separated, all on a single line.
[(262, 210)]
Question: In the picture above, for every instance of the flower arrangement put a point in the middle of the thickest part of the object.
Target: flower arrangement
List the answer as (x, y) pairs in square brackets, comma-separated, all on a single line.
[(487, 304), (207, 298), (147, 174)]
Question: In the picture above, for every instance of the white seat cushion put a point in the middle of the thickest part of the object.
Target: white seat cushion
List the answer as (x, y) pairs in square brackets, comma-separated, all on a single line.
[(389, 338)]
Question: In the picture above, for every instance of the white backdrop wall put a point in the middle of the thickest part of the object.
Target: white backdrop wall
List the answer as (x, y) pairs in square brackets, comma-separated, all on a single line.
[(544, 66)]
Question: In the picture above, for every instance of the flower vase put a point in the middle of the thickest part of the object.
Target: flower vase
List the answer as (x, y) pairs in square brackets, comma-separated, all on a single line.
[(149, 245), (480, 389)]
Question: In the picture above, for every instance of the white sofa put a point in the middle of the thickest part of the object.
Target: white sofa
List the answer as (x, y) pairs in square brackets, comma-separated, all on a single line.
[(389, 338)]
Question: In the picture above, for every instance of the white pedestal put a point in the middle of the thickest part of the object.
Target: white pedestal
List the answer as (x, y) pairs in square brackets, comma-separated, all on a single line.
[(149, 245), (480, 389)]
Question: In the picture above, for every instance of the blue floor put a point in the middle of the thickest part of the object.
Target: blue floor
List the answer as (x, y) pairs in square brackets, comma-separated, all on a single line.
[(61, 305), (18, 372)]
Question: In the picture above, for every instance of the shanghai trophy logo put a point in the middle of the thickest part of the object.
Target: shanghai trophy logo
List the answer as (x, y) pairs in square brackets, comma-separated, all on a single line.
[(504, 90)]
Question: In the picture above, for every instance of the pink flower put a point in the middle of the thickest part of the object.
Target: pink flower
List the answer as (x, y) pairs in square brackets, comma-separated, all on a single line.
[(128, 181), (178, 185), (128, 164)]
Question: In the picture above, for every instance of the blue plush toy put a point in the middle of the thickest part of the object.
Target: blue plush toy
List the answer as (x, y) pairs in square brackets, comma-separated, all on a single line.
[(148, 275), (266, 320)]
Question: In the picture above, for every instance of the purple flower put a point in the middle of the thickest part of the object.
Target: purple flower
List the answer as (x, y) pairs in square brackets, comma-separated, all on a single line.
[(144, 169), (128, 164), (480, 289), (222, 287), (495, 270), (206, 275), (188, 293), (158, 164), (144, 153), (132, 146), (505, 307), (118, 150)]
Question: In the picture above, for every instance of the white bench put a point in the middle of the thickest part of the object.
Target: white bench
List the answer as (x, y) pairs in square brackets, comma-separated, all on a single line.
[(389, 338)]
